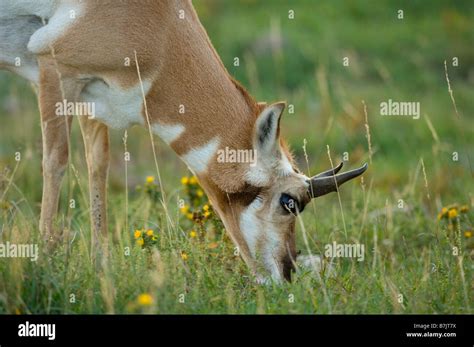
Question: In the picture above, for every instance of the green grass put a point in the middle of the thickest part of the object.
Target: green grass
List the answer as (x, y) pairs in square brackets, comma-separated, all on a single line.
[(408, 251)]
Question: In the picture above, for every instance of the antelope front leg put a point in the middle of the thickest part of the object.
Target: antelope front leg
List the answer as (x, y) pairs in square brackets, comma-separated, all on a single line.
[(96, 143), (55, 132), (55, 158)]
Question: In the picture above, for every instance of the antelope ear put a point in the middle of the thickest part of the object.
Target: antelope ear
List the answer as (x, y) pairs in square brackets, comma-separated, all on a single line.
[(261, 105), (267, 129), (234, 177)]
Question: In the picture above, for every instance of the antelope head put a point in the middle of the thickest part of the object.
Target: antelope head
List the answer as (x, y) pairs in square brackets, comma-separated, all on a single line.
[(261, 215)]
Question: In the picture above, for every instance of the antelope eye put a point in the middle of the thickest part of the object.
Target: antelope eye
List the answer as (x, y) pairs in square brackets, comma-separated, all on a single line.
[(289, 204)]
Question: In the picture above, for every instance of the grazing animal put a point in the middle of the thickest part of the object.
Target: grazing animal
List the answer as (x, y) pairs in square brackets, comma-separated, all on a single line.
[(77, 51)]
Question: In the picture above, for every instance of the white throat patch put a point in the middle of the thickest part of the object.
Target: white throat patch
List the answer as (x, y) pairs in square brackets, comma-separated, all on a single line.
[(253, 229), (249, 224)]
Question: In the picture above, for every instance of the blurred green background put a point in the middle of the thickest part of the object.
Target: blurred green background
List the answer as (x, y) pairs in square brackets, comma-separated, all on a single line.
[(300, 61)]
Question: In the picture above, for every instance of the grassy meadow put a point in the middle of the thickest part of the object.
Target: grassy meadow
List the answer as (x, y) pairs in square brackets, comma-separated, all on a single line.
[(418, 256)]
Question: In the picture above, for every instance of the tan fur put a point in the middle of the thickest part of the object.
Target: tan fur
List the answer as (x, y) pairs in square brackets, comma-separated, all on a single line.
[(193, 74), (177, 57), (96, 142), (55, 146)]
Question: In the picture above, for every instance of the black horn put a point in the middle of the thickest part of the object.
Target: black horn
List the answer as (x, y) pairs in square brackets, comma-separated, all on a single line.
[(327, 182), (330, 172)]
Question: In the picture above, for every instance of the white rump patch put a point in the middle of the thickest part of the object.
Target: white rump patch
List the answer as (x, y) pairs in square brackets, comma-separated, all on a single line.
[(63, 18), (168, 132), (40, 8), (31, 73), (198, 159)]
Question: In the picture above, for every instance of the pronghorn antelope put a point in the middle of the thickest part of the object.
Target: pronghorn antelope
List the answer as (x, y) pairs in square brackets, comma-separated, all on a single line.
[(75, 50)]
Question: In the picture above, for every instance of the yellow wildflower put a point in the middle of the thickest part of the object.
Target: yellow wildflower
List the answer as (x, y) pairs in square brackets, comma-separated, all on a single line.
[(468, 233), (184, 209), (190, 216), (443, 213), (453, 213), (149, 232), (184, 256), (207, 214), (140, 242), (200, 193), (137, 234), (184, 180), (193, 180), (150, 179), (205, 207), (145, 299), (193, 233)]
